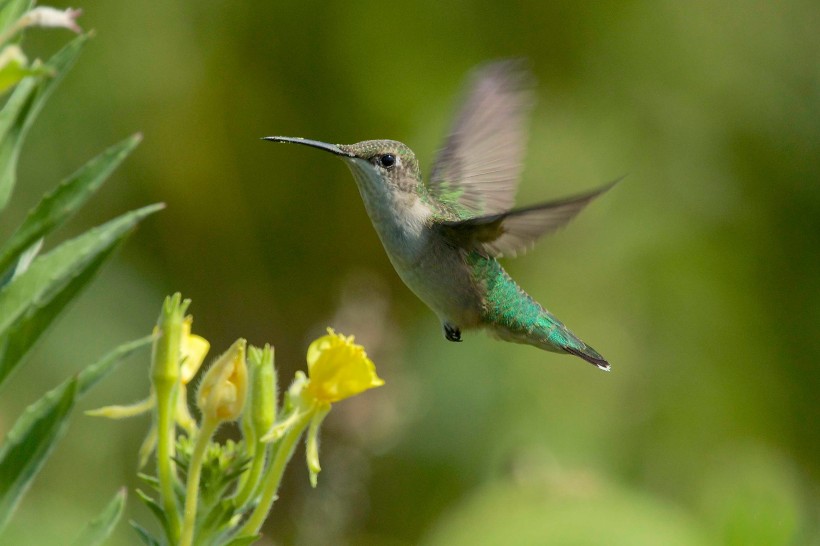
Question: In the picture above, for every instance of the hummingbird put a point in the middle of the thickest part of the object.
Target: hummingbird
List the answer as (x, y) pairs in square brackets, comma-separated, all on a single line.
[(444, 238)]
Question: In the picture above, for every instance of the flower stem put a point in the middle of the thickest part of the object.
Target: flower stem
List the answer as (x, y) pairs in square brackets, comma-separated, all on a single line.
[(249, 487), (192, 488), (166, 469), (165, 379), (271, 480)]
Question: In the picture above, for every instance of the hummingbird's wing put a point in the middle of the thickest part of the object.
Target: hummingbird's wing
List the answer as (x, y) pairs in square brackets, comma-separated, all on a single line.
[(478, 168), (515, 231)]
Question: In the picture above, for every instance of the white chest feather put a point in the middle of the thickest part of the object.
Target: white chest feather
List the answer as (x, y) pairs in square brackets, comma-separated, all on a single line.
[(399, 216)]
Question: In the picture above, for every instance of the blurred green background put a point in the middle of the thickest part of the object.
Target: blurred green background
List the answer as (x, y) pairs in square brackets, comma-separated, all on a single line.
[(698, 277)]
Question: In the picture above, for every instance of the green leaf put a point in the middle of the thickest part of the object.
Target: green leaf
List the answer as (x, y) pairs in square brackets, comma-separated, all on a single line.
[(101, 527), (244, 541), (157, 510), (29, 303), (144, 535), (11, 11), (153, 481), (29, 442), (22, 108), (34, 434), (24, 334), (21, 263), (218, 517), (59, 205), (96, 372)]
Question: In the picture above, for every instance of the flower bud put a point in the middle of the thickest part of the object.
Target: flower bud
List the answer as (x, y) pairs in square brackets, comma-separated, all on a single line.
[(165, 367), (263, 390), (221, 395)]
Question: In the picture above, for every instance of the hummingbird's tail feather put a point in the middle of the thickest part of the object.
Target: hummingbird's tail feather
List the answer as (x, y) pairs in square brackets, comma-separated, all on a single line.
[(541, 329), (550, 333), (590, 355)]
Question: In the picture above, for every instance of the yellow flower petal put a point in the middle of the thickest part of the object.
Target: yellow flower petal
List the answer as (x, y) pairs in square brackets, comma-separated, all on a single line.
[(192, 351), (339, 369)]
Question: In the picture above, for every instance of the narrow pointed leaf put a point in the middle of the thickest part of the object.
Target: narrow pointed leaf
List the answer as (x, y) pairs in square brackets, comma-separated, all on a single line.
[(25, 333), (11, 11), (29, 442), (153, 481), (144, 535), (100, 528), (94, 373), (22, 108), (13, 118), (34, 434), (21, 263), (157, 510), (59, 205), (219, 516), (244, 541), (28, 302)]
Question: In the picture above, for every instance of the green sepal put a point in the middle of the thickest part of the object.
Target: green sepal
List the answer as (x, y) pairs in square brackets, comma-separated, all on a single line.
[(101, 527), (28, 302)]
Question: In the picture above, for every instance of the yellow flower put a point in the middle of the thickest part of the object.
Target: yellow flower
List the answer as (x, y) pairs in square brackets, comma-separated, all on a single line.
[(222, 393), (339, 369)]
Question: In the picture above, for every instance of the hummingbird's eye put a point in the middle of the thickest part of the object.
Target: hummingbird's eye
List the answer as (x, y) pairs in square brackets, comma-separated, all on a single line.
[(387, 160)]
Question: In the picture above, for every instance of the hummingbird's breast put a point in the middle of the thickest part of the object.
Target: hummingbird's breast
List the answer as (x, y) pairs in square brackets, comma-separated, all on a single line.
[(442, 280), (433, 269)]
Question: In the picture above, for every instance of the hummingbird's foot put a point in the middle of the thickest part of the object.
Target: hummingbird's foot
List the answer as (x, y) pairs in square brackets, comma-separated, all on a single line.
[(452, 333)]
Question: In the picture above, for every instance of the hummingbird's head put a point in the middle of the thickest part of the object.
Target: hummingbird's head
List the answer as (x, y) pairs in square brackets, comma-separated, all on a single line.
[(391, 161), (387, 175), (374, 163)]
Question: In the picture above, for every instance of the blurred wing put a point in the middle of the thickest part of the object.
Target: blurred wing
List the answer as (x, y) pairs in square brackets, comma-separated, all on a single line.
[(510, 233), (479, 166)]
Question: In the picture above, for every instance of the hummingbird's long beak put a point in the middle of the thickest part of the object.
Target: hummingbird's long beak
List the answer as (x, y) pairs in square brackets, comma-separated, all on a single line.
[(332, 148)]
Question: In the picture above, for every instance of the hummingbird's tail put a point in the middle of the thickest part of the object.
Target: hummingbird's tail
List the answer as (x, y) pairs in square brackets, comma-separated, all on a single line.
[(589, 354), (524, 320), (547, 332), (511, 314), (543, 330)]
